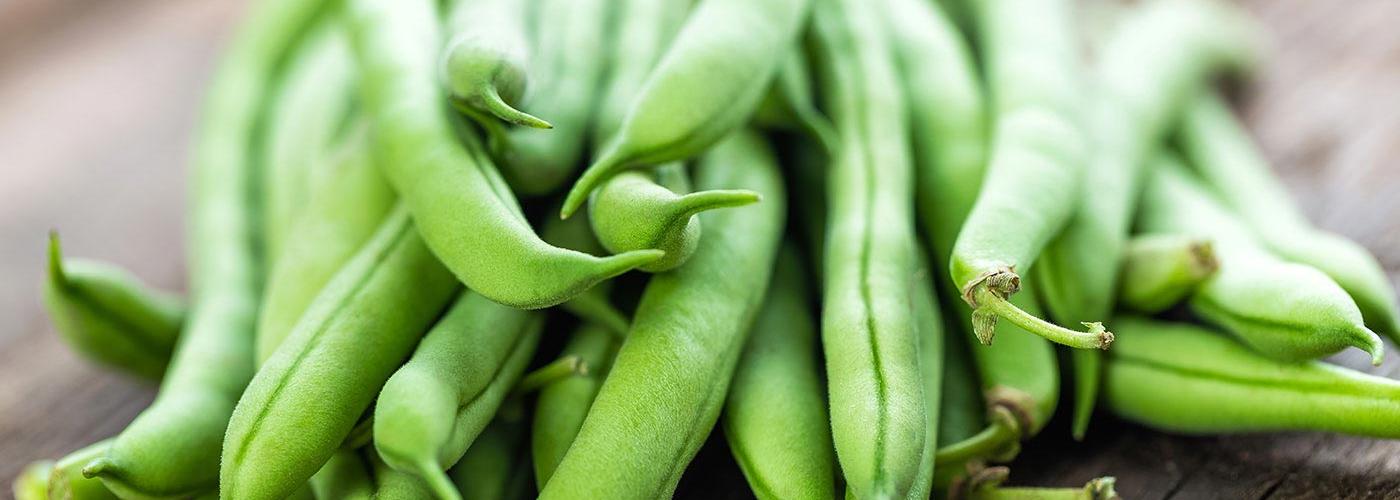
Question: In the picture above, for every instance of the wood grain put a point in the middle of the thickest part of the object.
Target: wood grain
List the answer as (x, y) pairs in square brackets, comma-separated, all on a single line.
[(99, 109)]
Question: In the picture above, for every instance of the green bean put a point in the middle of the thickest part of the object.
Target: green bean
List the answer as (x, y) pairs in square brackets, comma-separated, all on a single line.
[(707, 85), (1035, 163), (108, 316), (360, 328), (593, 305), (390, 484), (869, 332), (986, 484), (1160, 270), (497, 465), (1156, 58), (66, 481), (1221, 152), (1221, 386), (433, 407), (485, 66), (632, 212), (930, 349), (213, 360), (775, 417), (33, 481), (348, 200), (567, 69), (562, 405), (306, 113), (790, 105), (671, 374), (346, 475), (1287, 311), (643, 31), (460, 205)]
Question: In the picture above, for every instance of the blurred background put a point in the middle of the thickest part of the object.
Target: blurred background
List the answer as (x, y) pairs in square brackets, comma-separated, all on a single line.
[(98, 100)]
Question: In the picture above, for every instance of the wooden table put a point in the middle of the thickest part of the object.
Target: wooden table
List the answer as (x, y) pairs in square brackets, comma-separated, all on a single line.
[(98, 100)]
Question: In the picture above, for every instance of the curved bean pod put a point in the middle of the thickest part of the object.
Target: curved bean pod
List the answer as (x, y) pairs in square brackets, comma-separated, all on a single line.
[(1161, 270), (433, 407), (486, 64), (632, 212), (460, 205), (213, 361), (1287, 311), (360, 328), (775, 416), (672, 373), (563, 404), (1221, 386), (708, 85), (108, 316), (347, 201), (1219, 149)]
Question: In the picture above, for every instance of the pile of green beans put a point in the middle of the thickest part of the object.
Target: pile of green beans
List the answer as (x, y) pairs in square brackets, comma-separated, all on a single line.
[(392, 296)]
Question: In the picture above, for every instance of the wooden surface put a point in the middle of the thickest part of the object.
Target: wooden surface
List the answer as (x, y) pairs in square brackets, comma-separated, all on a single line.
[(97, 101)]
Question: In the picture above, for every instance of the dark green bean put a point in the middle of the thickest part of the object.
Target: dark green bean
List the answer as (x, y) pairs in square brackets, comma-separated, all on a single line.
[(790, 104), (672, 373), (1161, 270), (108, 316), (213, 361), (775, 417), (1288, 311), (1221, 386), (1220, 150), (497, 465), (360, 328)]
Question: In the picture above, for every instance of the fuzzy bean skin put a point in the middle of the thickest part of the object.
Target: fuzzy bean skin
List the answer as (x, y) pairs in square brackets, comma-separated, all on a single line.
[(673, 370), (360, 328), (487, 60), (1161, 270), (930, 349), (347, 201), (1220, 151), (1287, 311), (644, 29), (108, 316), (345, 476), (869, 332), (775, 417), (497, 465), (460, 205), (562, 405), (707, 86), (307, 112), (213, 360), (66, 481), (1220, 386), (433, 407), (390, 484), (632, 212)]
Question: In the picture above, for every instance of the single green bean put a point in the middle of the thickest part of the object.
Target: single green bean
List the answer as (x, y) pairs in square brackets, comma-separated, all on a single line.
[(486, 64), (66, 481), (1035, 164), (305, 116), (707, 85), (673, 371), (986, 484), (390, 484), (1151, 63), (433, 407), (632, 212), (346, 475), (563, 404), (593, 305), (108, 316), (1220, 150), (1162, 269), (1221, 386), (775, 417), (1284, 310), (213, 360), (869, 332), (348, 200), (460, 204), (360, 328)]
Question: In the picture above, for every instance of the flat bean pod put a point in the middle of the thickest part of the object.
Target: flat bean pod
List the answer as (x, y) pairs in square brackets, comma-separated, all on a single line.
[(213, 360), (347, 201), (1160, 270), (1219, 149), (563, 405), (869, 331), (360, 328), (486, 64), (775, 418), (433, 407), (1221, 386), (459, 202), (672, 373), (708, 85), (109, 316), (1287, 311)]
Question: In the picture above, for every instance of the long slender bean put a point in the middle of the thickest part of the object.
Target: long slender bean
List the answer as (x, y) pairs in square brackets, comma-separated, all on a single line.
[(673, 371), (213, 360), (1161, 270), (1220, 150)]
